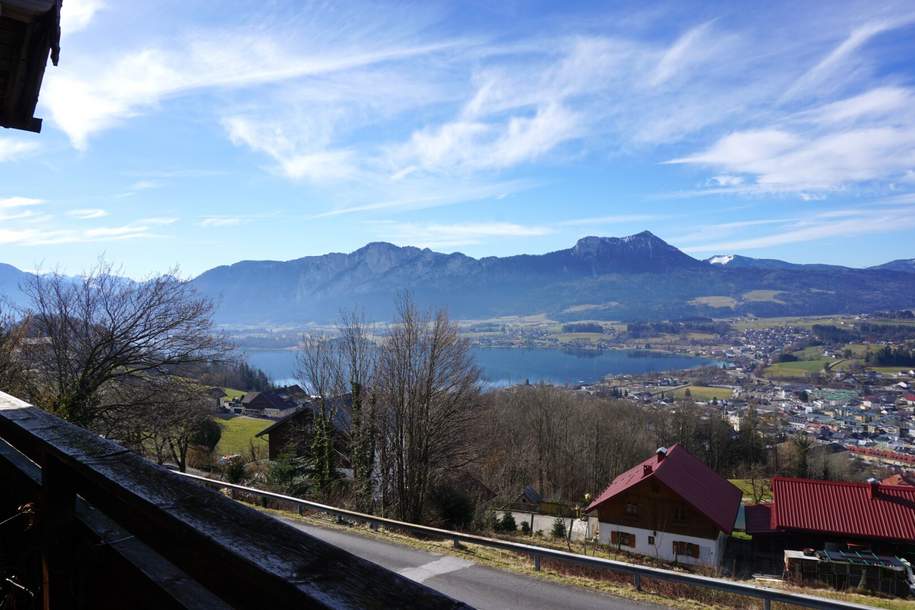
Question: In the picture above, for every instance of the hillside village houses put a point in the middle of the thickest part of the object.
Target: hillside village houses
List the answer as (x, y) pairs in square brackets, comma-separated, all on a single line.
[(671, 507)]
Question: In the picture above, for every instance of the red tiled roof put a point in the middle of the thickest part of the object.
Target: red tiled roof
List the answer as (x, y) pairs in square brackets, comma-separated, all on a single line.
[(700, 486), (844, 508), (899, 479), (883, 453)]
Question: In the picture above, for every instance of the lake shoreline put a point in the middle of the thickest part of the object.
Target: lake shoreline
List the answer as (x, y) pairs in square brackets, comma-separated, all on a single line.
[(505, 366)]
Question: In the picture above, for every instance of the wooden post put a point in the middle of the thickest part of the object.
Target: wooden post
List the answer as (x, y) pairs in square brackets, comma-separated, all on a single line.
[(637, 581), (58, 501), (536, 562)]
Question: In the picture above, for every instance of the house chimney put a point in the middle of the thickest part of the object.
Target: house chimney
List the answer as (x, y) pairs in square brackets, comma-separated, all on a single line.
[(873, 487), (661, 453), (646, 470)]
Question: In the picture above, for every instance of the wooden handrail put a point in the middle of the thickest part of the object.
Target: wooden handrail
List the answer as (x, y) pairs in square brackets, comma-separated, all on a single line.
[(243, 557)]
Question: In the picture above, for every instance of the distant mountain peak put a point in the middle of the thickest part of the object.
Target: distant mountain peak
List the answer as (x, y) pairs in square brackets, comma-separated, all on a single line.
[(900, 264)]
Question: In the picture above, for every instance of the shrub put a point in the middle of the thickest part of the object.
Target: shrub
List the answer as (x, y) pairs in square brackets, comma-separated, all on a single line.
[(559, 528), (525, 528), (507, 523), (235, 470), (451, 507)]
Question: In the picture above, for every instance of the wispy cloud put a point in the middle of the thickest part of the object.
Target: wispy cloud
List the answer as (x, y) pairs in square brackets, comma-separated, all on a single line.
[(86, 99), (220, 221), (610, 220), (19, 202), (75, 15), (438, 235), (840, 223), (87, 213), (12, 149), (836, 63), (424, 195)]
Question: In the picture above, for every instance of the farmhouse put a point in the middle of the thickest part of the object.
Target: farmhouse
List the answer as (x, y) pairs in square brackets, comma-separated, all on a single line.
[(671, 507), (833, 515), (292, 434)]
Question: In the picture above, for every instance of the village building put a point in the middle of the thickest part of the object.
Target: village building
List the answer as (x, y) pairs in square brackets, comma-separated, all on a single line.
[(671, 507), (832, 516), (292, 435)]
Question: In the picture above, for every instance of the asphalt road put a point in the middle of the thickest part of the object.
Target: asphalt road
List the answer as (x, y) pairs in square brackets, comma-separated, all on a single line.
[(479, 586)]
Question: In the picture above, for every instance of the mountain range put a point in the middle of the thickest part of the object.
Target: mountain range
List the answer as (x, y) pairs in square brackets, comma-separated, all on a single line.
[(639, 277)]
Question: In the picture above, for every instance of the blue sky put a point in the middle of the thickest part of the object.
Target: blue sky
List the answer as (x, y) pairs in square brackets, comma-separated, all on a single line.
[(201, 133)]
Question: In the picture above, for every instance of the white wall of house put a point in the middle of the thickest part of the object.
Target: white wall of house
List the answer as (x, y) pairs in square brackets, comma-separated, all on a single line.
[(710, 550), (581, 530)]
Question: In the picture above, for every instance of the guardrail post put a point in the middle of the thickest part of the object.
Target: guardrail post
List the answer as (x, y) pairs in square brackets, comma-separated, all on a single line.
[(637, 581), (456, 542), (537, 562), (767, 603)]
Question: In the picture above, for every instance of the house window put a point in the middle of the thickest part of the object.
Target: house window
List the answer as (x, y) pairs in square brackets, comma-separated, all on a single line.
[(686, 549), (651, 540), (632, 510), (622, 539)]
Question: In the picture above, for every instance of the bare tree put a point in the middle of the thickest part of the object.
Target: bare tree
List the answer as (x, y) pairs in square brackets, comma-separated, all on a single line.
[(105, 343), (12, 369), (321, 368), (359, 357), (428, 386)]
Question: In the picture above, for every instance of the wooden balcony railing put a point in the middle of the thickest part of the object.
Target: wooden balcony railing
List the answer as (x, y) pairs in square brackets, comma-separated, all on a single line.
[(104, 528)]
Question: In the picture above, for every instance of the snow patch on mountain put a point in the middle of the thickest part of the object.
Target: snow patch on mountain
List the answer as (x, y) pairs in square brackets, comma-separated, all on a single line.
[(723, 259)]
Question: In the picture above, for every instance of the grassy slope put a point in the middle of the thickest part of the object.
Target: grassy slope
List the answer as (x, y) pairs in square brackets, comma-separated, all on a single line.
[(238, 432), (704, 393)]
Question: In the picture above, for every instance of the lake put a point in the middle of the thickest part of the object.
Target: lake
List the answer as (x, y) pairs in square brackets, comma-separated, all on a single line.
[(507, 365)]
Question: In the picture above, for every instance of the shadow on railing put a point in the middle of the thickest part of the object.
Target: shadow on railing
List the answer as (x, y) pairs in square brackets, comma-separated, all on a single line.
[(85, 523)]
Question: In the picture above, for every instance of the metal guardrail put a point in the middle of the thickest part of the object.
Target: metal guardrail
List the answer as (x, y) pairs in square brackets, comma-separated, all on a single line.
[(766, 595)]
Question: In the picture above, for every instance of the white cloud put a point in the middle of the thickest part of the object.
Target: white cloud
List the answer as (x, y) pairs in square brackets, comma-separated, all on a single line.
[(473, 145), (88, 213), (11, 149), (75, 15), (726, 180), (835, 64), (19, 202), (425, 194), (435, 235), (96, 93), (785, 161), (848, 223), (610, 220), (880, 102), (689, 49), (220, 221), (290, 151)]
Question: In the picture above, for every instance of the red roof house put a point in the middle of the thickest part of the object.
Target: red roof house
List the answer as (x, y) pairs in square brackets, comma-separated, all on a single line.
[(670, 506), (899, 479), (852, 510)]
